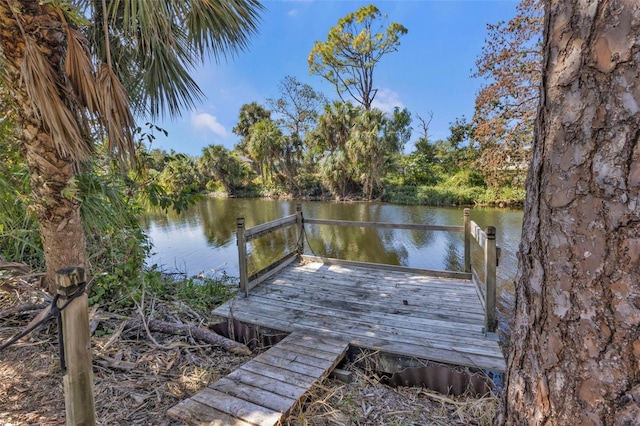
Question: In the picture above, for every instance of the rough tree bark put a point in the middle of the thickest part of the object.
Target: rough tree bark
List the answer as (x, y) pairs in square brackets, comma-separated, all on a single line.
[(575, 348), (51, 171)]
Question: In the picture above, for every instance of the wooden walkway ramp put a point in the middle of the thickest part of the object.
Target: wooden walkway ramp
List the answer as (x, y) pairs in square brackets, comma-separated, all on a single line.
[(263, 390), (403, 313)]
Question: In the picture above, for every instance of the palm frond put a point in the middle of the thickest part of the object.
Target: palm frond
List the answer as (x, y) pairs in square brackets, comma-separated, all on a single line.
[(159, 44), (42, 85), (115, 114), (221, 27), (79, 69)]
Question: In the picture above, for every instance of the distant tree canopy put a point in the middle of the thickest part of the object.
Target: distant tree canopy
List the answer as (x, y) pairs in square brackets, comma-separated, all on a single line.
[(348, 58)]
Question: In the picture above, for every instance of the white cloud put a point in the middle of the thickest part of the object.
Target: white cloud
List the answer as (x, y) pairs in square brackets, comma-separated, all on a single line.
[(292, 12), (387, 100), (204, 121)]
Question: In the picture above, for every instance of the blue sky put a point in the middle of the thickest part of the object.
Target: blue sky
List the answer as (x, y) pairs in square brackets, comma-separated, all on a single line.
[(431, 72)]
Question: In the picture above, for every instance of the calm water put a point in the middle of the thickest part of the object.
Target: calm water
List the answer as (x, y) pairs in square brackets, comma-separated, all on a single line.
[(202, 239)]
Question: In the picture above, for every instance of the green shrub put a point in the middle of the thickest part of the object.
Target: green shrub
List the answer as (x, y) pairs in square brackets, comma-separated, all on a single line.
[(199, 293)]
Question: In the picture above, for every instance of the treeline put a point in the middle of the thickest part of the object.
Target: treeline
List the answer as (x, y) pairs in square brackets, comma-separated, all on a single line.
[(300, 145)]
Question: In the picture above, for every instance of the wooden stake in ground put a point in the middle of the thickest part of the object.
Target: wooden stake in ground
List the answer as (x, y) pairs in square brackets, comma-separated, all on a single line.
[(78, 382)]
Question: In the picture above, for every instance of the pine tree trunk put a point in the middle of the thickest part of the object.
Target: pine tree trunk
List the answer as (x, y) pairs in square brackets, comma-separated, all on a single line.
[(575, 348), (51, 172)]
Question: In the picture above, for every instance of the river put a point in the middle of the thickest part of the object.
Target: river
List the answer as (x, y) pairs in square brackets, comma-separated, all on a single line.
[(201, 240)]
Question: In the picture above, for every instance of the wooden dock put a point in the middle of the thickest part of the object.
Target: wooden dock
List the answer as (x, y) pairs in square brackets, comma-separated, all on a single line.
[(442, 316), (263, 390), (403, 313)]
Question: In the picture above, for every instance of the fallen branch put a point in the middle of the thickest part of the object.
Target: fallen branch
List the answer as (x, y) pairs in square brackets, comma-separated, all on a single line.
[(22, 309), (197, 333)]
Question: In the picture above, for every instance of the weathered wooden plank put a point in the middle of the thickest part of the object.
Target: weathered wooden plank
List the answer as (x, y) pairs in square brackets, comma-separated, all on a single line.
[(346, 311), (278, 373), (478, 234), (263, 390), (371, 325), (318, 343), (379, 277), (410, 301), (376, 279), (425, 327), (313, 319), (322, 341), (269, 271), (320, 324), (288, 364), (242, 256), (309, 351), (389, 300), (450, 354), (331, 261), (455, 310), (195, 413), (278, 387), (265, 228), (385, 225), (381, 293), (244, 410), (248, 392), (351, 328), (372, 335), (286, 356), (479, 286)]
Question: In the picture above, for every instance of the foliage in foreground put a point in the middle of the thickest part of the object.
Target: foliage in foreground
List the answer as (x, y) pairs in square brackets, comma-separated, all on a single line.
[(201, 294), (117, 245)]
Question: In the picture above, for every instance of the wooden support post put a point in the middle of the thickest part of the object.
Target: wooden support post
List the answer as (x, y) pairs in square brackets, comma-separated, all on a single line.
[(300, 226), (490, 262), (78, 380), (242, 257), (467, 240)]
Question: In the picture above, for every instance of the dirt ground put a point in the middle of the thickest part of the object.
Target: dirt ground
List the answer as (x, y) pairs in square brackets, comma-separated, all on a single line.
[(139, 375)]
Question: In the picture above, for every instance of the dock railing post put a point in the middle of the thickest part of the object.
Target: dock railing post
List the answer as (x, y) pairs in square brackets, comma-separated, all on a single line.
[(300, 226), (490, 263), (76, 344), (467, 240), (242, 256)]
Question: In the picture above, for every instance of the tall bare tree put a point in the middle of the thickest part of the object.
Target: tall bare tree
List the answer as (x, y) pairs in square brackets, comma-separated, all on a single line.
[(67, 62), (575, 348)]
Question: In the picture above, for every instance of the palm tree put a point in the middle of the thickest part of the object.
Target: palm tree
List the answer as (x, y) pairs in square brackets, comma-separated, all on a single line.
[(266, 145), (218, 163), (67, 63), (364, 147)]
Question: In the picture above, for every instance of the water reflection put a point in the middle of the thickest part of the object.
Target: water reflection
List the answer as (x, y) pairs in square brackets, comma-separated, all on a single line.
[(203, 237)]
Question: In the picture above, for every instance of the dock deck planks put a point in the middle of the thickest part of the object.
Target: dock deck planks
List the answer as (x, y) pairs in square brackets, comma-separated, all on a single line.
[(426, 317), (263, 390)]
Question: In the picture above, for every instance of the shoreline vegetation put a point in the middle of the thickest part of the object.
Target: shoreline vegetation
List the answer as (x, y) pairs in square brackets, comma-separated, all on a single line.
[(416, 195)]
